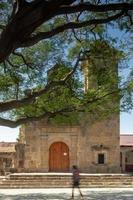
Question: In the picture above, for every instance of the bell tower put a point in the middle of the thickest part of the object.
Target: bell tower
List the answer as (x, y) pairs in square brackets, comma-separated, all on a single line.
[(102, 132)]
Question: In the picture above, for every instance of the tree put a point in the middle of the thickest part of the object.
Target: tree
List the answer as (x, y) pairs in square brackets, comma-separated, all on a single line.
[(42, 46)]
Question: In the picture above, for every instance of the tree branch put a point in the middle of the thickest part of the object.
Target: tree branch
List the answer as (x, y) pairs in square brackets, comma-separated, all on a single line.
[(37, 12), (13, 65), (5, 106), (33, 14), (95, 8), (13, 124), (74, 68), (71, 25), (47, 115), (23, 58)]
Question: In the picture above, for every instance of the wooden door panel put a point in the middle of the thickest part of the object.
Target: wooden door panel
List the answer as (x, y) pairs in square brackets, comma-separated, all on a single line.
[(65, 157), (59, 157)]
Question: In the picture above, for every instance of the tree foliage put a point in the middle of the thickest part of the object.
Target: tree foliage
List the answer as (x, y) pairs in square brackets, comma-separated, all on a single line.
[(48, 49)]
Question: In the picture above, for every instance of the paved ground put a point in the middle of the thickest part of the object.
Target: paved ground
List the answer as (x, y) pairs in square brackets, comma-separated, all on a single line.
[(65, 194)]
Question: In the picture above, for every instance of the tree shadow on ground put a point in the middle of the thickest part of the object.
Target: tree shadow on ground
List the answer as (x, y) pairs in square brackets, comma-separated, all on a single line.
[(89, 195), (36, 196), (93, 195)]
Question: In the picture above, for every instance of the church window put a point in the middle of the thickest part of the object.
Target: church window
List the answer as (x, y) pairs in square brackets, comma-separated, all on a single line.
[(101, 158)]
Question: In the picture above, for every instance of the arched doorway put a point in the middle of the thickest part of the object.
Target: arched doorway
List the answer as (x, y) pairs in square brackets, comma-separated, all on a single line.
[(59, 157)]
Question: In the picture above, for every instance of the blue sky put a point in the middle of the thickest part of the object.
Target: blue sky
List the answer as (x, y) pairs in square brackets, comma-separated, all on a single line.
[(8, 134), (126, 123)]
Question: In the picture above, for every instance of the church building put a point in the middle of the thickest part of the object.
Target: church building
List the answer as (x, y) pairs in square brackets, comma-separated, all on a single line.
[(93, 147), (91, 144)]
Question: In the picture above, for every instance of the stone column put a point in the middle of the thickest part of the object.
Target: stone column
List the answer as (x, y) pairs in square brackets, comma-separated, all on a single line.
[(44, 153)]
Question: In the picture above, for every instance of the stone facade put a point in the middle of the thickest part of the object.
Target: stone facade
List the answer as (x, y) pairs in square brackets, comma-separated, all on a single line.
[(93, 148)]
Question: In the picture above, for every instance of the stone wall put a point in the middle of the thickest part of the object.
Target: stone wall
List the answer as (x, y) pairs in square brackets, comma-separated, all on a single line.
[(85, 144)]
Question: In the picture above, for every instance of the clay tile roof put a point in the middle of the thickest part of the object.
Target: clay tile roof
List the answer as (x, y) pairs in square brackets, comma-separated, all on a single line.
[(126, 140), (7, 147)]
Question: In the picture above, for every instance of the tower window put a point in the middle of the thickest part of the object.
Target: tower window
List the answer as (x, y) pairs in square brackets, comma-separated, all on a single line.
[(101, 158)]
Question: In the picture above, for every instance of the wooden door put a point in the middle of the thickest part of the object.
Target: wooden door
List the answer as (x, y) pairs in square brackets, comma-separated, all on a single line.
[(59, 157)]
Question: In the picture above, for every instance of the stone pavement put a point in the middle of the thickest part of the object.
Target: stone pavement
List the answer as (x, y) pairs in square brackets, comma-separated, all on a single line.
[(65, 194)]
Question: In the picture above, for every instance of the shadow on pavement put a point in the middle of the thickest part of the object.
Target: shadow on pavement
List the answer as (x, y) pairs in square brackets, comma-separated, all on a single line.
[(89, 195)]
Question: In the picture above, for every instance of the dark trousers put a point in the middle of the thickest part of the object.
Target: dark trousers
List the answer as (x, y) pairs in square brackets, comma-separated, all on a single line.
[(76, 185)]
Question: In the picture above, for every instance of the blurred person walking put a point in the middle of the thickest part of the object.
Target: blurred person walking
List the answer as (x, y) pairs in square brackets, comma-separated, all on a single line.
[(76, 181)]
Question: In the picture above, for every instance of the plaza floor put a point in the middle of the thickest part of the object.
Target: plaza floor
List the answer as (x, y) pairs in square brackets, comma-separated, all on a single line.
[(65, 194)]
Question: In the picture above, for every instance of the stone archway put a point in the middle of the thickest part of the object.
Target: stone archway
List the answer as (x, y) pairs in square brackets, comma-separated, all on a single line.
[(58, 157)]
